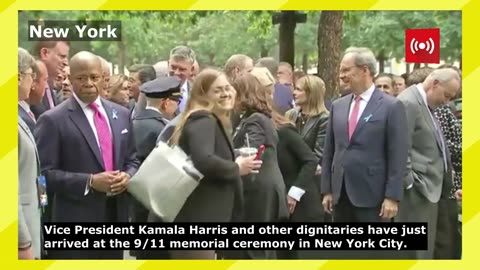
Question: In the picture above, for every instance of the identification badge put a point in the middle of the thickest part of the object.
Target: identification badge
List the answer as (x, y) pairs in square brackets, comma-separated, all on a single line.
[(42, 190)]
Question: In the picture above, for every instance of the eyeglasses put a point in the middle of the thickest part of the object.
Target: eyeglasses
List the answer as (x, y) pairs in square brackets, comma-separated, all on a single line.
[(32, 74), (346, 70)]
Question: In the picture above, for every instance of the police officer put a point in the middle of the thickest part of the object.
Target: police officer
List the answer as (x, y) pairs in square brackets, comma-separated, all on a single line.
[(163, 96)]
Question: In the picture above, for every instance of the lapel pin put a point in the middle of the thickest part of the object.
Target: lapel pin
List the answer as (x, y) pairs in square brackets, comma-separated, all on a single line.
[(114, 114), (367, 118)]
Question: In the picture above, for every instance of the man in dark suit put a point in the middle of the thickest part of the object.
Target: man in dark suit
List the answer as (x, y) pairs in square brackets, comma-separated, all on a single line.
[(54, 54), (365, 148), (429, 172), (282, 95), (87, 152), (139, 74), (181, 64)]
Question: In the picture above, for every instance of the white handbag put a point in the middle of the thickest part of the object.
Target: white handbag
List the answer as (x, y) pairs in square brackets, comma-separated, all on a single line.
[(164, 181)]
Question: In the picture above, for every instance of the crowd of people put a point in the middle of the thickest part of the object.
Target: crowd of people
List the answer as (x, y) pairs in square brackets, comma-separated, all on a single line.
[(387, 150)]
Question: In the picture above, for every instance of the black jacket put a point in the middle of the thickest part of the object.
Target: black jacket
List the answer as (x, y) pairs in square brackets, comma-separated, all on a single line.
[(216, 198), (298, 164)]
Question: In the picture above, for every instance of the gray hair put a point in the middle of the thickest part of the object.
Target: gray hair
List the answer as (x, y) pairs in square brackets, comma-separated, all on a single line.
[(364, 57), (184, 53), (445, 75), (235, 61), (270, 63), (25, 61)]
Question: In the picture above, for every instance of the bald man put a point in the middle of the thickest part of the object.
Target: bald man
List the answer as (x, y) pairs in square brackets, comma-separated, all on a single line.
[(87, 154)]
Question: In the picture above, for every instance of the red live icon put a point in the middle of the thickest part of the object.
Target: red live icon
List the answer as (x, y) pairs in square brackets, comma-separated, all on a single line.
[(422, 45)]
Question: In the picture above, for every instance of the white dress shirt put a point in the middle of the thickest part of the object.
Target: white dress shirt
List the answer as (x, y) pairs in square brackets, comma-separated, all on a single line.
[(153, 109), (90, 113), (296, 193), (364, 99)]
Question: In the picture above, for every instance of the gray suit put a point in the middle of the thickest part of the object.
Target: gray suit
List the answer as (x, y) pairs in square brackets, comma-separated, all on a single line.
[(28, 206), (427, 178)]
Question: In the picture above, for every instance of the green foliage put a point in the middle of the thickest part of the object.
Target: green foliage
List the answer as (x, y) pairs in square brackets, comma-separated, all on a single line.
[(148, 36), (384, 31)]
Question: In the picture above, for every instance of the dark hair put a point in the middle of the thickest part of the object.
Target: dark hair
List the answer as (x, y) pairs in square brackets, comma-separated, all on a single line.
[(146, 73), (251, 95), (418, 75), (47, 44), (387, 75)]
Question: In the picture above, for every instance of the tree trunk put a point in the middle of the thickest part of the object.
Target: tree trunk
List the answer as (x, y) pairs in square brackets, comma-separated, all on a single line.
[(211, 58), (426, 65), (122, 55), (460, 67), (407, 70), (263, 51), (416, 66), (381, 62), (305, 63), (329, 40), (287, 37)]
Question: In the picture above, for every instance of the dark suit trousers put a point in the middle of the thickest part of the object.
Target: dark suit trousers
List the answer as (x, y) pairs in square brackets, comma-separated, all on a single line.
[(448, 242), (416, 208), (345, 211)]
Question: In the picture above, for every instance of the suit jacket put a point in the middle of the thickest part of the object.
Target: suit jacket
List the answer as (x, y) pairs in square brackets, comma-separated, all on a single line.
[(216, 198), (26, 118), (425, 167), (70, 154), (297, 163), (265, 193), (39, 109), (372, 164), (282, 98), (29, 229), (147, 126)]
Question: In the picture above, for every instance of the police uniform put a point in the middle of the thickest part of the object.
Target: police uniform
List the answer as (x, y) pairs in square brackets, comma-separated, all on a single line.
[(147, 125)]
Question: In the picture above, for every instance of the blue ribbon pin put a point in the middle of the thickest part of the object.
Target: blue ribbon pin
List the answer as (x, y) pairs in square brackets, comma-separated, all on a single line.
[(367, 118)]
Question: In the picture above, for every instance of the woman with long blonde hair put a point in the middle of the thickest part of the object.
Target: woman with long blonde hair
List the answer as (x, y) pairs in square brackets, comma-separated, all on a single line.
[(310, 118), (310, 115), (203, 133)]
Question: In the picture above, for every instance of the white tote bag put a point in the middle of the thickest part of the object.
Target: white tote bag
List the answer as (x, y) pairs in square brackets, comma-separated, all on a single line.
[(164, 181)]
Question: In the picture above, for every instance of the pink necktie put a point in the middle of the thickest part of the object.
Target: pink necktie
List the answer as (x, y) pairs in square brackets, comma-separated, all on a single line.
[(50, 98), (352, 122), (32, 116), (104, 137)]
